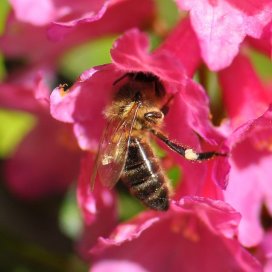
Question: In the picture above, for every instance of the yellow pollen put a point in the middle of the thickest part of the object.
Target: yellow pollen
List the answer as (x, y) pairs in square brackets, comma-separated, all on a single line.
[(190, 155), (62, 89), (191, 234), (264, 144), (186, 227)]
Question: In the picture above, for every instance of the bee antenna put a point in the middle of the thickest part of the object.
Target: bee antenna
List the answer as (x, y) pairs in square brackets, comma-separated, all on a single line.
[(120, 78)]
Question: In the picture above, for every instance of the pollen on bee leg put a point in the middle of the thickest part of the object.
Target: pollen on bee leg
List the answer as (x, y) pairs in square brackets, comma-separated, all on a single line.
[(191, 155)]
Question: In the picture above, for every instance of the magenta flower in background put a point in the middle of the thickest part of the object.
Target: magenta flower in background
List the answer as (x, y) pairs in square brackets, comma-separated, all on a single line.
[(246, 97), (220, 214), (84, 103), (82, 106), (197, 234), (29, 11), (29, 40), (63, 16), (221, 26), (25, 39), (264, 252), (36, 169), (264, 44), (182, 43), (246, 100), (98, 208), (250, 176)]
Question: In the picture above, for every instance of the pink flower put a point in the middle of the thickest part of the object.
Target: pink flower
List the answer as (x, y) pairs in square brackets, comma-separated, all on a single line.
[(44, 12), (249, 139), (130, 54), (183, 44), (264, 44), (30, 43), (221, 26), (264, 252), (98, 208), (197, 234), (46, 161), (246, 97), (48, 21), (249, 178), (84, 103)]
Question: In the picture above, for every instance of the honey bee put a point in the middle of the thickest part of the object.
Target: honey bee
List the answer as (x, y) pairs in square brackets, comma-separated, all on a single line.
[(125, 153)]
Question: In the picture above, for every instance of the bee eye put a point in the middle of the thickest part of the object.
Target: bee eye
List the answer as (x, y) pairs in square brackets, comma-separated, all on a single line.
[(153, 116)]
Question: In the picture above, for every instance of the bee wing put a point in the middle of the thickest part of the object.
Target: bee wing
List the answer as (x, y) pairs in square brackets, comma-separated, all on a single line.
[(111, 156)]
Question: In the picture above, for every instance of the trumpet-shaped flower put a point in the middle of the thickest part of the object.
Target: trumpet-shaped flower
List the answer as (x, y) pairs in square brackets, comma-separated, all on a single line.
[(197, 234), (83, 104), (222, 25), (46, 160), (33, 32), (98, 208)]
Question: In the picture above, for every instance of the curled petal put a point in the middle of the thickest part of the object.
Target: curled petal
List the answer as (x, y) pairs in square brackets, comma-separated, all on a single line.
[(191, 226), (224, 24)]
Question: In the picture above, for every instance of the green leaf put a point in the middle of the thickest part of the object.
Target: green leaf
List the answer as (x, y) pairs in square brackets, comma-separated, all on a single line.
[(128, 206), (262, 64), (4, 11), (14, 126), (69, 218), (168, 12), (2, 68), (85, 56), (174, 174)]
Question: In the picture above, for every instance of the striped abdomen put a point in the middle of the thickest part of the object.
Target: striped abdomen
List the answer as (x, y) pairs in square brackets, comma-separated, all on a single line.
[(144, 177)]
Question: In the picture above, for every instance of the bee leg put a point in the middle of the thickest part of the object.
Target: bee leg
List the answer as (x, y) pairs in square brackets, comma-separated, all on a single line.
[(165, 107), (187, 153)]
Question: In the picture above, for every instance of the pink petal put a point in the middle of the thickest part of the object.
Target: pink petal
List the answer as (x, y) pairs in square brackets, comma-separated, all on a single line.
[(184, 233), (218, 216), (247, 129), (31, 173), (264, 43), (190, 110), (250, 179), (34, 43), (252, 98), (84, 103), (264, 252), (26, 91), (98, 207), (120, 266), (66, 12), (221, 171), (126, 232), (34, 12), (183, 44), (103, 16), (130, 53), (222, 25)]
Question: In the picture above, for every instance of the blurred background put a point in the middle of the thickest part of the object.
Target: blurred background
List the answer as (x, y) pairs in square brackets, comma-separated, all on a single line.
[(39, 229)]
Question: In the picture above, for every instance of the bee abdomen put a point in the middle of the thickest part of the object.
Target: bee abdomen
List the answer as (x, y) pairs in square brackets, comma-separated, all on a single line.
[(144, 177)]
